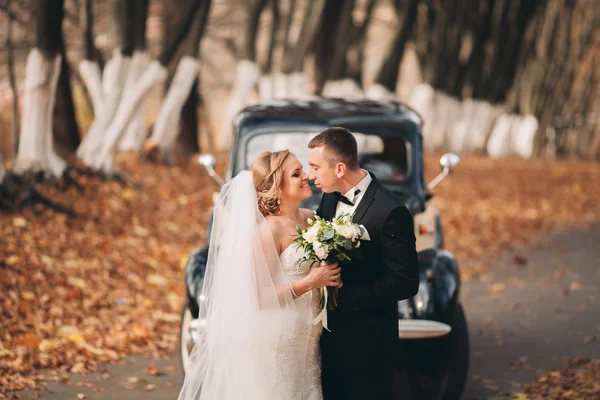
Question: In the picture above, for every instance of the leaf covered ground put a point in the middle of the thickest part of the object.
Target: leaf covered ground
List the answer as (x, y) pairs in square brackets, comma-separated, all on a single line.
[(579, 380), (76, 292)]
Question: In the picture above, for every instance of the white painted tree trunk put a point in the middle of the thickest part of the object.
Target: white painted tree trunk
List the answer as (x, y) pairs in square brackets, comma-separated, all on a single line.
[(523, 138), (343, 89), (136, 132), (380, 93), (499, 143), (166, 127), (442, 115), (472, 127), (92, 78), (480, 124), (36, 150), (282, 86), (421, 99), (513, 135), (153, 75), (246, 77), (297, 85), (113, 81), (266, 87)]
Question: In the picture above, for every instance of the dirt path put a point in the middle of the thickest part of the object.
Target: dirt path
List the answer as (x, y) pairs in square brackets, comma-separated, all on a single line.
[(530, 315)]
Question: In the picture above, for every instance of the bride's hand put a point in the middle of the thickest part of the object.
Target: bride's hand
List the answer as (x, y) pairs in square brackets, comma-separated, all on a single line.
[(328, 275)]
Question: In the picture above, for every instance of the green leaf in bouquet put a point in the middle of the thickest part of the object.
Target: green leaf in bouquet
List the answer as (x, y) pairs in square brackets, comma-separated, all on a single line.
[(339, 239), (328, 233), (298, 230)]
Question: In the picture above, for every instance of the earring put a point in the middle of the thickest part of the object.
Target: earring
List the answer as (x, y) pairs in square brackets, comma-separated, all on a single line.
[(278, 201)]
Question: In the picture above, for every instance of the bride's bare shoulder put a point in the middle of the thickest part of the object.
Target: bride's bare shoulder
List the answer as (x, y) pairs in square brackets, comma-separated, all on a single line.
[(277, 227)]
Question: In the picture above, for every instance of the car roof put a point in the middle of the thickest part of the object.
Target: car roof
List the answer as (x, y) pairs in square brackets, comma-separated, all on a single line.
[(328, 111)]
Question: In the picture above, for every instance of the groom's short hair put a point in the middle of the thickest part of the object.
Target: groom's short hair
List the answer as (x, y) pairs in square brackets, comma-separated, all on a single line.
[(339, 145)]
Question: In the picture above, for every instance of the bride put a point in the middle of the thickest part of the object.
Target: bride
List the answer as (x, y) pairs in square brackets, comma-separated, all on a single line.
[(259, 299)]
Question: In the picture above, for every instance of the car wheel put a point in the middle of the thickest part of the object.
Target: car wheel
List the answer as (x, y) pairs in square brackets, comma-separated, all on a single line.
[(186, 343), (458, 363)]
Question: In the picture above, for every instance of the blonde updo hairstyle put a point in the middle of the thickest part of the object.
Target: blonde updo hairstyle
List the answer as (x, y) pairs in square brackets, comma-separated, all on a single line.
[(267, 174)]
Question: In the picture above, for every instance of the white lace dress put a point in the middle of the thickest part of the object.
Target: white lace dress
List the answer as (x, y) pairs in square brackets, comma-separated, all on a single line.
[(299, 360)]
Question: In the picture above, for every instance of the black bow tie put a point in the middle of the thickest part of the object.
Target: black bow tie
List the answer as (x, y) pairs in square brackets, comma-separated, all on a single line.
[(346, 200)]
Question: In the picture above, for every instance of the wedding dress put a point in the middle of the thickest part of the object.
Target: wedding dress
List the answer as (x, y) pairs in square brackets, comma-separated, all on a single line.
[(258, 343), (304, 384)]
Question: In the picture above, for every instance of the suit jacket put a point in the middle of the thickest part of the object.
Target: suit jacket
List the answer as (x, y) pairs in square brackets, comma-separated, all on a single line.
[(385, 271)]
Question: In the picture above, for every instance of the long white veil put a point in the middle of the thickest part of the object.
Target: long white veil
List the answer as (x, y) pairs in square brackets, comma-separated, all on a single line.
[(246, 302)]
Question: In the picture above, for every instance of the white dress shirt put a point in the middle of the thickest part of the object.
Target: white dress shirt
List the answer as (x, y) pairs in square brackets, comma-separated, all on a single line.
[(346, 208)]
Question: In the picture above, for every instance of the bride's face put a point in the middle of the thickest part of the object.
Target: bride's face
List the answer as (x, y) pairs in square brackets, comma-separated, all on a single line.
[(295, 180)]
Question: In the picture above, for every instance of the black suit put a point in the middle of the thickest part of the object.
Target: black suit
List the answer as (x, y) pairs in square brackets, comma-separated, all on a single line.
[(358, 353)]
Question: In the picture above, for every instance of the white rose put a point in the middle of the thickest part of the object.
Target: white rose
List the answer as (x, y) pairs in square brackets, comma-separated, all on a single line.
[(343, 230), (321, 250), (311, 235), (355, 232)]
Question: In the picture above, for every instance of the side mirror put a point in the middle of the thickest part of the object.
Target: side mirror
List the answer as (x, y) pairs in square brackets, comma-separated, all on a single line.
[(447, 162), (209, 161)]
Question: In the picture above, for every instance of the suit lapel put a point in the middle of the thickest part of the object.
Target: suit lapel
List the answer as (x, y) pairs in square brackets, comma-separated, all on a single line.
[(329, 205), (366, 201)]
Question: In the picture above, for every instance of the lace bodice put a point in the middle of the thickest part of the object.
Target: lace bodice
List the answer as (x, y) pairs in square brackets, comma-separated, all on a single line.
[(300, 367)]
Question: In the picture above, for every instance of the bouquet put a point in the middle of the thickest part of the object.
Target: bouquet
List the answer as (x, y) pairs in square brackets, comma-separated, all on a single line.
[(326, 242)]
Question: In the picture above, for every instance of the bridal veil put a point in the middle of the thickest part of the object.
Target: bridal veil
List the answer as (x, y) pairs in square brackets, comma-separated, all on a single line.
[(246, 303)]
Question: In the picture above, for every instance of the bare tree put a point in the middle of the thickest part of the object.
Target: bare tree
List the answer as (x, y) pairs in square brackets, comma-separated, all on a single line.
[(247, 70), (558, 78), (107, 130), (135, 133), (65, 128), (387, 76), (335, 35), (12, 80), (36, 151), (178, 113)]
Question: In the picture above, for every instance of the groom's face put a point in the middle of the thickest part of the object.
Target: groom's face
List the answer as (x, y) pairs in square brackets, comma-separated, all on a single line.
[(321, 170)]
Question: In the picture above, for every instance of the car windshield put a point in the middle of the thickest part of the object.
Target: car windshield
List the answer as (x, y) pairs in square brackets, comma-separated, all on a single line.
[(386, 156)]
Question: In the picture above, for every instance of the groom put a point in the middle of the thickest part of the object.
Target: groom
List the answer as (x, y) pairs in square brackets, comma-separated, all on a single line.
[(358, 353)]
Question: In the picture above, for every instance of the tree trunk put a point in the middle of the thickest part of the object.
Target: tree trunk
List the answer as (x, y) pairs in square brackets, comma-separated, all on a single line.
[(294, 60), (272, 37), (13, 83), (102, 158), (91, 66), (36, 151), (136, 132), (65, 128), (387, 76), (328, 51), (558, 79), (177, 118), (107, 92), (288, 27), (356, 52), (247, 72), (187, 141)]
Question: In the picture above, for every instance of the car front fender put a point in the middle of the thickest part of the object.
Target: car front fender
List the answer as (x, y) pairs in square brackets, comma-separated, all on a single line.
[(439, 286), (194, 276)]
